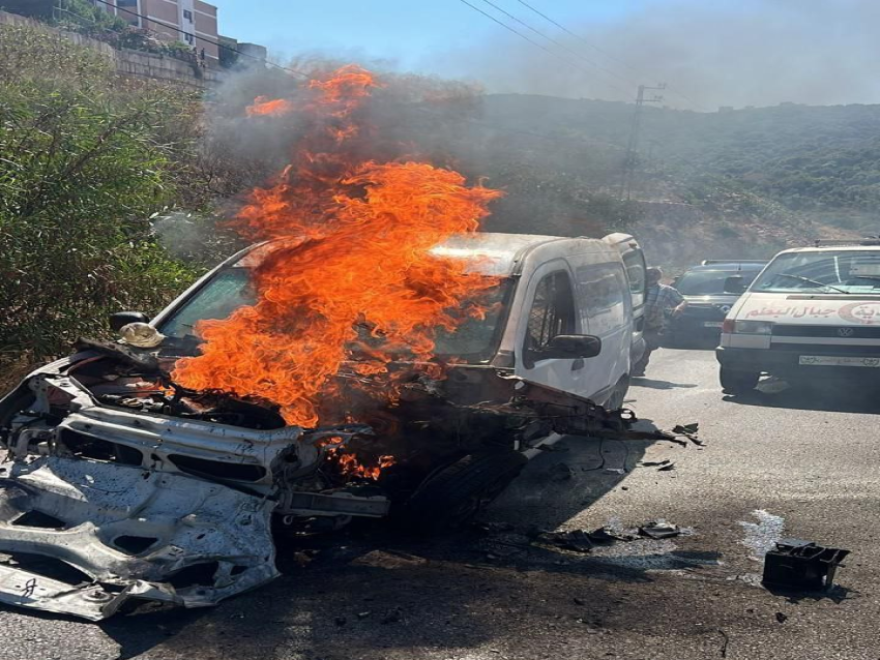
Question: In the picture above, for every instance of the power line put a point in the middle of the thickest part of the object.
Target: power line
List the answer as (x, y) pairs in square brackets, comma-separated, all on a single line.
[(600, 50), (507, 27), (576, 36), (522, 36), (561, 45)]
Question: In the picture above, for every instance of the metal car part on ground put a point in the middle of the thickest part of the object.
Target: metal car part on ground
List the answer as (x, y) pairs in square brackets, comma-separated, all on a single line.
[(84, 537)]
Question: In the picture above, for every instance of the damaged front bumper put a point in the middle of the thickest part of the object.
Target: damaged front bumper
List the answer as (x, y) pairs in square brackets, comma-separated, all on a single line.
[(102, 505), (82, 538)]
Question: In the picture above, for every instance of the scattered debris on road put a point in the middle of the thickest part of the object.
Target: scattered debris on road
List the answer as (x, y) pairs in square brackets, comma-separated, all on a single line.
[(394, 616), (662, 466), (690, 432), (802, 565), (577, 540), (610, 534), (659, 529), (580, 540)]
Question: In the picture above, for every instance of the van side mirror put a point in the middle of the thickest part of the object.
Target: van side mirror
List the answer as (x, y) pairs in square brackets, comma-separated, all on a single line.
[(119, 320), (734, 284), (571, 347)]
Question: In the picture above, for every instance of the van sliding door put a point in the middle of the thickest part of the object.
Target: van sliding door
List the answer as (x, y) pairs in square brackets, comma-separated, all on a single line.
[(605, 296)]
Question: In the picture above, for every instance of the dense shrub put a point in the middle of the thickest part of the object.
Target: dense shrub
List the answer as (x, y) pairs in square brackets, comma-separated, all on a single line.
[(85, 159)]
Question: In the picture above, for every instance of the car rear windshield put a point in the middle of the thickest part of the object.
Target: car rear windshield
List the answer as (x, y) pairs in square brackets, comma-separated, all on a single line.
[(710, 282)]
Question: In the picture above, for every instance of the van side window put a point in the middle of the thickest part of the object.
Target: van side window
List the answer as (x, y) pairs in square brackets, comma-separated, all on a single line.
[(636, 275), (604, 288), (551, 314)]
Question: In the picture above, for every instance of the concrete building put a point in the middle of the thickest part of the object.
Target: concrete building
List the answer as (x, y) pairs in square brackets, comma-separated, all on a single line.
[(192, 22), (253, 54)]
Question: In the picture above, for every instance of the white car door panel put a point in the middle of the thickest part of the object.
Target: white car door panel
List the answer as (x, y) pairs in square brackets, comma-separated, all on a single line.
[(549, 311), (608, 305)]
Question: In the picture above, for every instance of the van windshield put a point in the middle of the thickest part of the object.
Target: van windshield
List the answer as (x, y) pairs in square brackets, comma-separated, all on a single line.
[(832, 272), (473, 341), (710, 282), (217, 299)]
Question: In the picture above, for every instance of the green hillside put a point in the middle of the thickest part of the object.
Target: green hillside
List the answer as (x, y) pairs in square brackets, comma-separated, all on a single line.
[(744, 183), (824, 161)]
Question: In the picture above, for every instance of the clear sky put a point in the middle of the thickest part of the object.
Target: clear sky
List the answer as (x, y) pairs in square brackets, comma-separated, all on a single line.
[(406, 33)]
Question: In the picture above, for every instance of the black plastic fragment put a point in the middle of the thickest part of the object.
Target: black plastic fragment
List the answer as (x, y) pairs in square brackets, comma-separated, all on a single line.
[(802, 565)]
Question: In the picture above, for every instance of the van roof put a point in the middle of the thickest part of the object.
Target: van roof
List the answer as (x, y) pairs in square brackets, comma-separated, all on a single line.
[(490, 253)]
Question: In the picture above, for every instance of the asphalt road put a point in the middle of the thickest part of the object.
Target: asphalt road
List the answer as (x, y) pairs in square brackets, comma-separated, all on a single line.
[(798, 462)]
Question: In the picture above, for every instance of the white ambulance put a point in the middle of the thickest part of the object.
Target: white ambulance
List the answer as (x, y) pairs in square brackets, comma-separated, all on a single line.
[(811, 313)]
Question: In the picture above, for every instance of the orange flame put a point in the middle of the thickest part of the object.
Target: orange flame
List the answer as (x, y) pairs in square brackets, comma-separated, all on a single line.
[(360, 258), (351, 466), (262, 106)]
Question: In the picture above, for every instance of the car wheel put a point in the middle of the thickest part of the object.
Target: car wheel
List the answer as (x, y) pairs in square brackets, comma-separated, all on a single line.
[(734, 381), (452, 496)]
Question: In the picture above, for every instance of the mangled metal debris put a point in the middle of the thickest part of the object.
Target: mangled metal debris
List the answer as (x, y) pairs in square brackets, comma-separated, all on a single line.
[(659, 529), (82, 537), (576, 540), (583, 541), (117, 484)]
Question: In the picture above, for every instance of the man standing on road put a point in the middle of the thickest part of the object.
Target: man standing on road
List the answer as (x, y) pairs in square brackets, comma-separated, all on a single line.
[(661, 303)]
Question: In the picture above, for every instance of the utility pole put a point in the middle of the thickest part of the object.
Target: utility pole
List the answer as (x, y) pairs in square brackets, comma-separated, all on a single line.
[(631, 159)]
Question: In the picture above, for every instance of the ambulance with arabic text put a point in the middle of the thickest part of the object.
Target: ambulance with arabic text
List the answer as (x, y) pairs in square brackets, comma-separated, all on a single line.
[(811, 313)]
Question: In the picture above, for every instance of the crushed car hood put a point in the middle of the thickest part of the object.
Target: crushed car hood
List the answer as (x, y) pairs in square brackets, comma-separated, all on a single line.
[(126, 533)]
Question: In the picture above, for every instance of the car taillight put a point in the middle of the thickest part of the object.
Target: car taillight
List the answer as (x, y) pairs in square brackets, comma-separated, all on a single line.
[(728, 325)]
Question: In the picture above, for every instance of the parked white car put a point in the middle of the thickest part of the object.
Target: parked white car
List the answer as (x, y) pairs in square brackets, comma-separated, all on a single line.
[(811, 313)]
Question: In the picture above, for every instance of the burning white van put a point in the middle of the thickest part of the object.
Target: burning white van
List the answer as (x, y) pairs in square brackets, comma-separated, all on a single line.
[(811, 313), (139, 487)]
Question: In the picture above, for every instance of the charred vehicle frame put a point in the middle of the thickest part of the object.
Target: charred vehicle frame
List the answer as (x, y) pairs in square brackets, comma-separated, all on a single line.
[(118, 484)]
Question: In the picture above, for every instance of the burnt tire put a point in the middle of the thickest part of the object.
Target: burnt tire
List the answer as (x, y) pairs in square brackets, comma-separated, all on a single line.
[(452, 496), (734, 381)]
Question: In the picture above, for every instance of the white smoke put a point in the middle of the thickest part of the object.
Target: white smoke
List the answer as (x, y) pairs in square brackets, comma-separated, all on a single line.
[(717, 53)]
